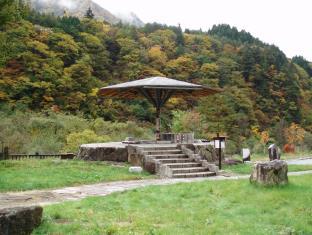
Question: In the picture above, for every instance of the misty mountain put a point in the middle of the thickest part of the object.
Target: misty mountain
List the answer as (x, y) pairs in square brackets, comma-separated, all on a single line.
[(78, 8), (130, 18)]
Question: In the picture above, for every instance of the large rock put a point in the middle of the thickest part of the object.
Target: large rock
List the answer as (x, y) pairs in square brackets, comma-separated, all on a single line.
[(270, 173), (114, 151), (20, 220)]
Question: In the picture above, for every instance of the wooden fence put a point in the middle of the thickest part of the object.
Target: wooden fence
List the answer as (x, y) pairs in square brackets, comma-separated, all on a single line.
[(37, 156)]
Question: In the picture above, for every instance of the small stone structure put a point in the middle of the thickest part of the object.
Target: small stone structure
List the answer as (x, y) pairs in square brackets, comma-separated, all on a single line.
[(114, 151), (274, 152), (20, 220), (246, 154), (178, 138), (270, 173)]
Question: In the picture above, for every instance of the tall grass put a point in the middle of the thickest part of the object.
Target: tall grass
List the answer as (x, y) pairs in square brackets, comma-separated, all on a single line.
[(29, 132)]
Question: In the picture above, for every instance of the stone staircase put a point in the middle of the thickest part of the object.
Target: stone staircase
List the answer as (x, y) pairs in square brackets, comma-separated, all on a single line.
[(170, 161)]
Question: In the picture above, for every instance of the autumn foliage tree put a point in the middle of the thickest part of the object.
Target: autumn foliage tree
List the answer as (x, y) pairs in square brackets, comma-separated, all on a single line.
[(294, 135)]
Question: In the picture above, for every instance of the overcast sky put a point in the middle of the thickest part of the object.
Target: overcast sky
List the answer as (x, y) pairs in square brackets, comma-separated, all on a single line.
[(285, 23)]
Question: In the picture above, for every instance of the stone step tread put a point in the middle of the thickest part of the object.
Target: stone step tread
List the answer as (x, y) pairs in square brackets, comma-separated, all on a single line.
[(194, 174), (160, 148), (199, 168), (168, 155), (175, 160), (164, 151), (182, 165)]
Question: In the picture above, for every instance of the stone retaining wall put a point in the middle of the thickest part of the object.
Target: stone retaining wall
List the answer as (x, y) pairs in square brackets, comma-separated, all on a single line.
[(103, 152)]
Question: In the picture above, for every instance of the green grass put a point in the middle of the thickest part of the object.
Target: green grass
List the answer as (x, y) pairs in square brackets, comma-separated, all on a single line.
[(247, 168), (210, 207), (31, 174)]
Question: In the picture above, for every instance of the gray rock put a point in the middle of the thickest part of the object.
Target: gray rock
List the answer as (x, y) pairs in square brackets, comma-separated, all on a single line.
[(270, 173), (20, 220)]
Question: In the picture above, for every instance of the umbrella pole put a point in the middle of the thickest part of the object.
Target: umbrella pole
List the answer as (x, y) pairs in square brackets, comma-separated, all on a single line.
[(157, 123)]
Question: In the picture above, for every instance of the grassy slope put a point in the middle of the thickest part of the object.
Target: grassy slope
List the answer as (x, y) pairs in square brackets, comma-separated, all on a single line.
[(51, 173), (224, 207), (247, 168)]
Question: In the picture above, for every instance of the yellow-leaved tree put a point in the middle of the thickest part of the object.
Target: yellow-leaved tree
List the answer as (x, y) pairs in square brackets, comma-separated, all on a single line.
[(294, 134)]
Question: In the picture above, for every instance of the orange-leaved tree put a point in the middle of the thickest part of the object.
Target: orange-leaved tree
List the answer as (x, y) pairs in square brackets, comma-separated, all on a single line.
[(294, 135)]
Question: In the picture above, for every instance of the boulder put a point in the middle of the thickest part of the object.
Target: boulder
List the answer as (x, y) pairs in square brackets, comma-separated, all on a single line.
[(270, 173), (20, 220)]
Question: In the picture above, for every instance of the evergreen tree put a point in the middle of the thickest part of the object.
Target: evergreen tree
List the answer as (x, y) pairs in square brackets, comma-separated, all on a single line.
[(89, 13)]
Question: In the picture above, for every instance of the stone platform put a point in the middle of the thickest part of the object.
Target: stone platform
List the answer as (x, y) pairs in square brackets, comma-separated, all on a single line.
[(126, 152), (113, 151), (163, 158)]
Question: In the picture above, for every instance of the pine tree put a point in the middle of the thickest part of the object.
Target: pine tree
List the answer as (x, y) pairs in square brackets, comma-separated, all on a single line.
[(89, 13)]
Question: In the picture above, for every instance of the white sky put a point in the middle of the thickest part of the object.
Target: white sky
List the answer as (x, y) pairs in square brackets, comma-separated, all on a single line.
[(285, 23)]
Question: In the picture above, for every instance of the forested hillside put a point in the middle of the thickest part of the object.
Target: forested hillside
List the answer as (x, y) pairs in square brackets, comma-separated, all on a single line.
[(54, 64)]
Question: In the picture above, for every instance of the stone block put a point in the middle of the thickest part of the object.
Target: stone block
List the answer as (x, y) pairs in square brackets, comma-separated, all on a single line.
[(270, 173), (20, 220), (135, 169)]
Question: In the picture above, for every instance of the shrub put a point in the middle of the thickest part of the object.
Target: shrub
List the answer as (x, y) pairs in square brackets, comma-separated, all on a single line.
[(74, 140), (119, 131), (187, 122)]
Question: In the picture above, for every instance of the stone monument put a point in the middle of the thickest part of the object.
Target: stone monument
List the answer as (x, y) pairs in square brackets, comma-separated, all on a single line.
[(270, 173)]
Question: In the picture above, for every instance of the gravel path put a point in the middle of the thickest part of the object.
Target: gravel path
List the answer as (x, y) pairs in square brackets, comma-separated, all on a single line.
[(304, 161), (45, 197)]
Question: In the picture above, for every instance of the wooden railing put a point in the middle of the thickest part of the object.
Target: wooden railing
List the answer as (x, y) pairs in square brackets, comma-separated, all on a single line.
[(38, 156)]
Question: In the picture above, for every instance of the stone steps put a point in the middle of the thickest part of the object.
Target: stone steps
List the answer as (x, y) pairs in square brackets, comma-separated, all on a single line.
[(193, 175), (178, 164)]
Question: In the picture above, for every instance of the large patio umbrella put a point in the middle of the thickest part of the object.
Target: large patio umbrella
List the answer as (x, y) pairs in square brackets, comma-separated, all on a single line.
[(158, 90)]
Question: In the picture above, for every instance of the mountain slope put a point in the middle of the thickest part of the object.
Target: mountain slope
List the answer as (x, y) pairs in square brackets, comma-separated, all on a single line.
[(61, 65), (78, 8), (130, 18)]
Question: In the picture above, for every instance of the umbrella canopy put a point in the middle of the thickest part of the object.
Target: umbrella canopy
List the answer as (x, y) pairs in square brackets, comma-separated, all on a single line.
[(158, 90)]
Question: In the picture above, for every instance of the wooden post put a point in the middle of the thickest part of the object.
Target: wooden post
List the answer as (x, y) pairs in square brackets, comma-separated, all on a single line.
[(157, 123), (220, 153), (6, 152)]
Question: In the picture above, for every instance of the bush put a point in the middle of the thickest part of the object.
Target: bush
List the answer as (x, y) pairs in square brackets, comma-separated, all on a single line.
[(74, 140), (187, 122), (119, 131)]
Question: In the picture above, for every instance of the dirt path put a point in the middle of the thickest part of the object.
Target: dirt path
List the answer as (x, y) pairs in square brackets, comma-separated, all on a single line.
[(44, 197)]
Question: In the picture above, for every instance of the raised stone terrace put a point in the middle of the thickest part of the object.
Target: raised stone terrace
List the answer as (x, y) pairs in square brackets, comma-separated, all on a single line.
[(162, 158)]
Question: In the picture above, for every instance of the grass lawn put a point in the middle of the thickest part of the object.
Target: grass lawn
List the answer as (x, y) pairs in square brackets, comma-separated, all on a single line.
[(247, 168), (210, 207), (52, 173)]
